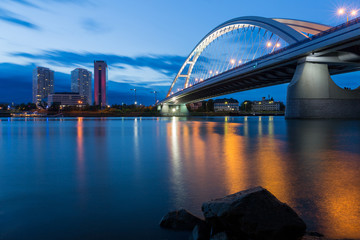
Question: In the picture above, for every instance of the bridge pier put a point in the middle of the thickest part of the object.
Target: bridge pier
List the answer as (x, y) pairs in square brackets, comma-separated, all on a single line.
[(168, 109), (313, 94)]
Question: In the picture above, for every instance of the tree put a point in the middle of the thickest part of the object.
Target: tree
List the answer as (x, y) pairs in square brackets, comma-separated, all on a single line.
[(246, 106), (210, 106), (55, 107)]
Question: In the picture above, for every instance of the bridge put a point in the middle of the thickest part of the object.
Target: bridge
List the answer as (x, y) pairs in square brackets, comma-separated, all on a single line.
[(254, 52)]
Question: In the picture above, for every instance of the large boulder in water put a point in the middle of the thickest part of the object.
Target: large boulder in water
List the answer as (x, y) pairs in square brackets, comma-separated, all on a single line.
[(253, 214), (180, 220)]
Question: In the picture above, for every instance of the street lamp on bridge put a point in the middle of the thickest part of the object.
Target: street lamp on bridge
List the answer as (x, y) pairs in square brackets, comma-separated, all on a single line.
[(155, 93), (134, 89), (348, 13)]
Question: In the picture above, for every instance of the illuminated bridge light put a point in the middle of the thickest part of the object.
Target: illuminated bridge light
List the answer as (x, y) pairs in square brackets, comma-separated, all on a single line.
[(211, 71), (341, 11), (278, 45), (232, 61), (240, 62), (268, 44), (217, 72)]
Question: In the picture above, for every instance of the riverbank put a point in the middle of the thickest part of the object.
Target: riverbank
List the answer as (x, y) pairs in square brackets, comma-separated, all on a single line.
[(5, 114), (157, 114)]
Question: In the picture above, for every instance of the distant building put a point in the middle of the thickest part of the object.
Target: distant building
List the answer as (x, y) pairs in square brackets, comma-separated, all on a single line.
[(226, 105), (43, 83), (100, 78), (266, 105), (81, 83), (66, 99)]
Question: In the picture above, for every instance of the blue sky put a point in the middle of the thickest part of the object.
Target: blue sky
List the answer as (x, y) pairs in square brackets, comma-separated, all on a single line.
[(144, 42)]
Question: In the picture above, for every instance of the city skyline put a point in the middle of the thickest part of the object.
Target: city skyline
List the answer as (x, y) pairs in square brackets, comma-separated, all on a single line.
[(145, 63)]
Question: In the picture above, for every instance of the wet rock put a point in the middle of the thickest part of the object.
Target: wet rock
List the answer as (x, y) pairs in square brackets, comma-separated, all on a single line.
[(180, 220), (254, 213), (201, 232), (308, 237), (313, 236)]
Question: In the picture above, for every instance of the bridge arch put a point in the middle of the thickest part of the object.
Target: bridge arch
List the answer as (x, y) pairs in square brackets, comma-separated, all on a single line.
[(290, 31)]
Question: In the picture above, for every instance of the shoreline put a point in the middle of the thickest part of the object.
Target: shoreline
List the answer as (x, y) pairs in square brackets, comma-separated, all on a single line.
[(146, 114)]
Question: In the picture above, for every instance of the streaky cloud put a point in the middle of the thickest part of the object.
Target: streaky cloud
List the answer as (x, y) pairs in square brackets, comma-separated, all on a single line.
[(166, 64), (19, 22), (12, 18), (26, 3)]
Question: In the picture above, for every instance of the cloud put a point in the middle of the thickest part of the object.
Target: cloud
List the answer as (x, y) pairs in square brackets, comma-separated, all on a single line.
[(91, 25), (26, 3), (18, 21), (12, 18), (166, 64)]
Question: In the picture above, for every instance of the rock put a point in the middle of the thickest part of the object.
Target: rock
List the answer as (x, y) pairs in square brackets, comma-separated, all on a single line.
[(180, 220), (254, 213), (309, 237), (201, 232), (219, 236)]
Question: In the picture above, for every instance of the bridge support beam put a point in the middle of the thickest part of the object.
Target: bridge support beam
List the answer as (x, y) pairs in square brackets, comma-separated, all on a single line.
[(168, 109), (313, 94)]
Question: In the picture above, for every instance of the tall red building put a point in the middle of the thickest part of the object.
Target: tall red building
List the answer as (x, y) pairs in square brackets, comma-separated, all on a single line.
[(100, 79)]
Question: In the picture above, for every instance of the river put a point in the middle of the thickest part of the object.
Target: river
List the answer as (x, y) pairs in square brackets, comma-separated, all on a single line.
[(114, 178)]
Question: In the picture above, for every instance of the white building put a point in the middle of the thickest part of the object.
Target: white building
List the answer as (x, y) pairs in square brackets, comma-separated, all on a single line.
[(81, 83), (66, 99), (43, 83), (266, 105), (226, 105)]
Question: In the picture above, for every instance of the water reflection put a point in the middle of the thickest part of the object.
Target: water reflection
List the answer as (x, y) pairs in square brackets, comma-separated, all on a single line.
[(81, 175), (294, 160), (115, 165), (173, 133), (327, 151)]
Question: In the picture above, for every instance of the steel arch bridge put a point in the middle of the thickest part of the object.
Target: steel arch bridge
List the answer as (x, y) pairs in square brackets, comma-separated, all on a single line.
[(237, 42)]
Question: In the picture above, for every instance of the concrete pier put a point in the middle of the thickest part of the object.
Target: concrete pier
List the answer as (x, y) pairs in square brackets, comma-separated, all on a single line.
[(168, 109), (313, 94)]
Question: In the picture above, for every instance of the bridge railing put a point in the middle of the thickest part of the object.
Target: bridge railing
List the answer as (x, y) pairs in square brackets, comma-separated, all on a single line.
[(321, 34)]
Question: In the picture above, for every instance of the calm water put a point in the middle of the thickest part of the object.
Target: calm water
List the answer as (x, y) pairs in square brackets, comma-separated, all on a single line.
[(114, 178)]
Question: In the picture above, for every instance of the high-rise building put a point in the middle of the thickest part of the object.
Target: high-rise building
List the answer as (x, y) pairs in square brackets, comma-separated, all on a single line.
[(100, 78), (43, 83), (81, 83)]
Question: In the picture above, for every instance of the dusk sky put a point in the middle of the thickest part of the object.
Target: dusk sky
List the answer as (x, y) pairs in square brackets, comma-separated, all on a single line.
[(144, 42)]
